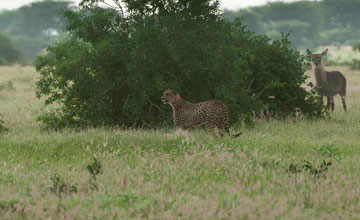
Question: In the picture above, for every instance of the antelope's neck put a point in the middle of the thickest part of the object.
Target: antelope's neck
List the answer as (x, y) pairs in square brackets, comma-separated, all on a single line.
[(320, 74)]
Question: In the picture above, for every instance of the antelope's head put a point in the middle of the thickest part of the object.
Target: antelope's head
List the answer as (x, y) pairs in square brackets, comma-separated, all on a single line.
[(316, 58)]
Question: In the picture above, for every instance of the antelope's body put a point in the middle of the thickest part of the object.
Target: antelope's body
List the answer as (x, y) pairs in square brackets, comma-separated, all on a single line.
[(329, 83)]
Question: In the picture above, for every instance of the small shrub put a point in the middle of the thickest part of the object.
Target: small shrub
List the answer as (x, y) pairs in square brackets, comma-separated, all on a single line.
[(8, 204), (8, 86), (328, 150), (356, 47), (9, 53), (293, 168), (53, 121), (3, 61), (355, 63), (59, 186), (3, 128), (94, 168), (316, 171)]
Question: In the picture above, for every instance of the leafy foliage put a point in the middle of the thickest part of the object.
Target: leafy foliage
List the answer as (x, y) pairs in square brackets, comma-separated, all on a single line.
[(277, 76), (114, 66)]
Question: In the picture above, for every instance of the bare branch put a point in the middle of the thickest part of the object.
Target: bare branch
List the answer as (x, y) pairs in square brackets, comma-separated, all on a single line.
[(117, 2)]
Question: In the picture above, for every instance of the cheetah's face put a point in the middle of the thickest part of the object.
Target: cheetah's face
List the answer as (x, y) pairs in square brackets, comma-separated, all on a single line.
[(169, 96)]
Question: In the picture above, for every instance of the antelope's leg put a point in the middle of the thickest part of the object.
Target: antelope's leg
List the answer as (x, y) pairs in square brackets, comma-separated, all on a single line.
[(343, 99), (331, 102)]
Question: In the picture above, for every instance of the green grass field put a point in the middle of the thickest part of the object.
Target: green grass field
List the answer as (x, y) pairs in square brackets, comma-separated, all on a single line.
[(164, 174)]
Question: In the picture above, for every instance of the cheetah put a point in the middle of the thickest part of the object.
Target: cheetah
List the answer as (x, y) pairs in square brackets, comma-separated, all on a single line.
[(187, 115)]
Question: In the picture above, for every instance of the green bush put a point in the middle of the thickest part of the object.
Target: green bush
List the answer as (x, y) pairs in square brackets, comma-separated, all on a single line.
[(8, 51), (356, 47), (355, 63), (277, 77), (113, 68)]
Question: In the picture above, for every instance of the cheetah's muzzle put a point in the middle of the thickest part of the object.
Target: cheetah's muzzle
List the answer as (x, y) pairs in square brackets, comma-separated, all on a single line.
[(164, 100)]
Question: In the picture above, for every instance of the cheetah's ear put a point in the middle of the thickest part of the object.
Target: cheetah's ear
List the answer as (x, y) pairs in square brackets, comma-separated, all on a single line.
[(174, 92)]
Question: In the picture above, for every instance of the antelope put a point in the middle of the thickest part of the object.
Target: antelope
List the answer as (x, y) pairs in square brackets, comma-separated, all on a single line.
[(329, 83)]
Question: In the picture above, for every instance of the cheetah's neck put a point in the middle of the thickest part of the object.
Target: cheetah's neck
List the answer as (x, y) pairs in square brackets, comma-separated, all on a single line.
[(181, 103)]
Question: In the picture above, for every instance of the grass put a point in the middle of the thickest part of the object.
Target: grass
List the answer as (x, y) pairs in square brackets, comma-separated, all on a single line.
[(163, 174)]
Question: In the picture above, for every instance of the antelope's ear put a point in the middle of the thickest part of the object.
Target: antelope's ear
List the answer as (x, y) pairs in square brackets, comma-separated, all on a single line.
[(309, 52), (324, 53)]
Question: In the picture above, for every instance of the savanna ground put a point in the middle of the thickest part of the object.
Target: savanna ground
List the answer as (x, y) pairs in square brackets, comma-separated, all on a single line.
[(162, 174)]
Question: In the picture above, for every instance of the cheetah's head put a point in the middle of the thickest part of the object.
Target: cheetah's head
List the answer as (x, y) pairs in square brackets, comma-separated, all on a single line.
[(169, 96)]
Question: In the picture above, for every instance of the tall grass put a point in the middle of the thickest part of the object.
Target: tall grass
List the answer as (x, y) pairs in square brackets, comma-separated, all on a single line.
[(164, 174)]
